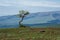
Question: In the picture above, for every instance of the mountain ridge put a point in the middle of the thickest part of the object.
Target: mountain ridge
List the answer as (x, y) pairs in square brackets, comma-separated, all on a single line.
[(32, 18)]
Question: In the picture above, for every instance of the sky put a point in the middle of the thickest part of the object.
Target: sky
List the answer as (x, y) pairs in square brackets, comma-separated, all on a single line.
[(12, 7)]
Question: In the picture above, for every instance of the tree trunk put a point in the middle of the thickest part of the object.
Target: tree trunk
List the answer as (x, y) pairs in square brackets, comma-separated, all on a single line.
[(21, 20)]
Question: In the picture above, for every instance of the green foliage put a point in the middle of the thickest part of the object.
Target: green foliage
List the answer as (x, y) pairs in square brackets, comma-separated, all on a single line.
[(26, 13), (30, 34), (22, 14)]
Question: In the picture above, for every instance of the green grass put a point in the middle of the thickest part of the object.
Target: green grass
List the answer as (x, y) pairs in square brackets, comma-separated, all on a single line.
[(30, 34)]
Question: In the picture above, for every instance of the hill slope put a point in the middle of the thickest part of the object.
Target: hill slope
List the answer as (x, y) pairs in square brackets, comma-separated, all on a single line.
[(32, 19)]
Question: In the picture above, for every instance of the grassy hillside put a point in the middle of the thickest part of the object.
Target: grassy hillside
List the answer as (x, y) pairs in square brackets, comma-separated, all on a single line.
[(30, 34)]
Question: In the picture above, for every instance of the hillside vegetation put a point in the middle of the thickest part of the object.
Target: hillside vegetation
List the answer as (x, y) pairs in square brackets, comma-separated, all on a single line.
[(30, 34)]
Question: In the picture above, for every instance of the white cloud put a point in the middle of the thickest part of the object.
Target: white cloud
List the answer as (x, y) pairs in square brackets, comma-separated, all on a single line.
[(13, 6), (30, 3), (40, 3), (7, 3), (2, 4)]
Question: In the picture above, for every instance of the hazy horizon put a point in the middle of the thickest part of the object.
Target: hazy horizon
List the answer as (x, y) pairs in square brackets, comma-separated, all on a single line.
[(11, 7)]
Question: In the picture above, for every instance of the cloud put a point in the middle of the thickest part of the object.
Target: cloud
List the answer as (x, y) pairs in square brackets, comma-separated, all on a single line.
[(2, 4), (40, 3), (8, 7), (29, 3), (7, 3)]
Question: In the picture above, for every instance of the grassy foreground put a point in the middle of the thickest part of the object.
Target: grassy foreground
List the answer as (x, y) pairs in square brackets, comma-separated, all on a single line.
[(30, 34)]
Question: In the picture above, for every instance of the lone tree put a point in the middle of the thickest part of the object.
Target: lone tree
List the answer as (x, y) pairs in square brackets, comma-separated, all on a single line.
[(22, 15)]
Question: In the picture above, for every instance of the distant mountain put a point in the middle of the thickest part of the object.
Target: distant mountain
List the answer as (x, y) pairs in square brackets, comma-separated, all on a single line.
[(33, 19)]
